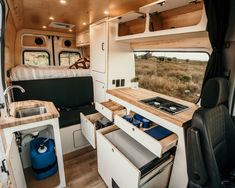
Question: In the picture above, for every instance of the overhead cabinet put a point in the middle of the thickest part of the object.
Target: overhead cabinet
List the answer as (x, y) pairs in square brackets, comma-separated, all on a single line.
[(162, 18), (83, 39)]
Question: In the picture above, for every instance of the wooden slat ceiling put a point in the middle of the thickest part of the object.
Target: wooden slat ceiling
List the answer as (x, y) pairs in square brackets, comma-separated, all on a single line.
[(33, 14)]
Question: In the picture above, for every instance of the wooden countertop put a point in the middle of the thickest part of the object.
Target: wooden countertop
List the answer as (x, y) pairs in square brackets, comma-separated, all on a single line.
[(12, 121), (133, 96)]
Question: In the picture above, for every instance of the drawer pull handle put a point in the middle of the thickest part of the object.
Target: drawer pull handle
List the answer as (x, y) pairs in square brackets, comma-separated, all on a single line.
[(112, 150), (133, 129), (102, 108)]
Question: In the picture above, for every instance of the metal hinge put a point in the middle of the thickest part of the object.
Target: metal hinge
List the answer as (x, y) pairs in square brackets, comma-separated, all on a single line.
[(2, 105), (3, 167)]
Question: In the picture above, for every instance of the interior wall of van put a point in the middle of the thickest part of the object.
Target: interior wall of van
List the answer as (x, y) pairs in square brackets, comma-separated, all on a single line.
[(53, 44), (10, 39)]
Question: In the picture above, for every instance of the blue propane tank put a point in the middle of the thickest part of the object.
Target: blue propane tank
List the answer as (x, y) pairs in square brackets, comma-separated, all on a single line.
[(43, 158)]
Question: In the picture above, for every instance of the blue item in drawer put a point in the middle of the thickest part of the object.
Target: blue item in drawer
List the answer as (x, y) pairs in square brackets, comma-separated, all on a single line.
[(145, 123), (136, 123), (128, 118), (138, 117), (158, 132)]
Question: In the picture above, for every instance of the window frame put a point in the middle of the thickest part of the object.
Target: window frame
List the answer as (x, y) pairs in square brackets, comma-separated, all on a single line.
[(179, 51), (64, 51), (29, 50)]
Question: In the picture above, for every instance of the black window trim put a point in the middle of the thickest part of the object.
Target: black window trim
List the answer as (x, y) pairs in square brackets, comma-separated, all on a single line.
[(31, 50), (184, 51), (2, 53), (64, 51)]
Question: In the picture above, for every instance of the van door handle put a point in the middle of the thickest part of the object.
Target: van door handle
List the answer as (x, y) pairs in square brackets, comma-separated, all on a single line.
[(102, 46)]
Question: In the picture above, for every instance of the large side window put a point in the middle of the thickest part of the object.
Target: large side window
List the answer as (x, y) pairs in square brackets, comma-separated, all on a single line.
[(177, 74), (68, 58), (36, 58)]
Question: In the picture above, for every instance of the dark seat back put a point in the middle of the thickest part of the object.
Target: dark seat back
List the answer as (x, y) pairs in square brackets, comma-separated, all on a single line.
[(211, 138), (63, 92)]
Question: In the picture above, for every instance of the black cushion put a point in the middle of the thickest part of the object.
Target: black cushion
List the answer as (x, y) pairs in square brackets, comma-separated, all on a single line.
[(72, 116), (215, 92), (63, 92)]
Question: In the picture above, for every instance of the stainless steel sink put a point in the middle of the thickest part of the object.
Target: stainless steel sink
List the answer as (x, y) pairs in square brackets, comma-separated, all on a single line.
[(30, 111)]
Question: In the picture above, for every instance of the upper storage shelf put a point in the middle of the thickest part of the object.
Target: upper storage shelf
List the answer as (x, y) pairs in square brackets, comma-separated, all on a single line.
[(83, 39), (161, 18)]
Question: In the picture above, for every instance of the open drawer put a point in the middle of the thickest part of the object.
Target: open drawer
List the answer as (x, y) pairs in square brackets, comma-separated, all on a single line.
[(88, 127), (155, 146), (120, 157), (109, 109)]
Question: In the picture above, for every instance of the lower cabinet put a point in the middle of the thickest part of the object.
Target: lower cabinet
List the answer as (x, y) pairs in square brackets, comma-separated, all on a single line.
[(72, 139), (124, 163)]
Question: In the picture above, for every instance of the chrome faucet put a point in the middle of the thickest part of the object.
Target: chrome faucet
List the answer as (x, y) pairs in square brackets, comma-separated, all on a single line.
[(7, 101)]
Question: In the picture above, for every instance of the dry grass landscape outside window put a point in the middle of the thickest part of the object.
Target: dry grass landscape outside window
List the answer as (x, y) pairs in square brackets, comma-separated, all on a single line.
[(177, 74)]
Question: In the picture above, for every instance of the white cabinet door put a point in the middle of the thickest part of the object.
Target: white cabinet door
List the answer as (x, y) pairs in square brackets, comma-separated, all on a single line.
[(98, 47), (14, 166), (100, 92)]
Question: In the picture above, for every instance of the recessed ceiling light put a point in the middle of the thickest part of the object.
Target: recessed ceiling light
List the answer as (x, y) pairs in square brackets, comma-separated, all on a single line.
[(63, 2), (84, 23), (44, 27), (161, 3), (51, 18), (70, 30), (106, 12)]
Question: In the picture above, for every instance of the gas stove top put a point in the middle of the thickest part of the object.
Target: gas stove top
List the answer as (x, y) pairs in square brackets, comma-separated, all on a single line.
[(165, 105)]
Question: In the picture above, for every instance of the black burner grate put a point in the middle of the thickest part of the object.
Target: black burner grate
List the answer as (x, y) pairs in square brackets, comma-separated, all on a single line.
[(165, 105)]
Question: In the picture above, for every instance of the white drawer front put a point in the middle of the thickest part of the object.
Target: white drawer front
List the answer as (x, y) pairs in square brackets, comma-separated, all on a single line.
[(109, 109), (104, 111), (153, 145), (88, 130)]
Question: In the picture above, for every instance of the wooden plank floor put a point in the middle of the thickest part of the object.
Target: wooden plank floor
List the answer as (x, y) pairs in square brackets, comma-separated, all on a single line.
[(80, 172)]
